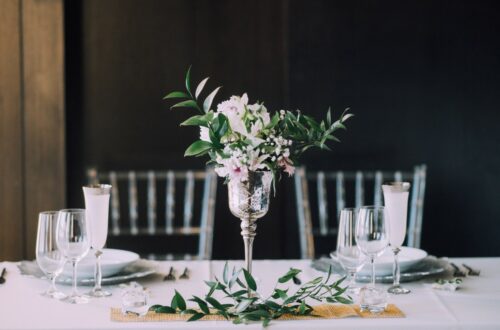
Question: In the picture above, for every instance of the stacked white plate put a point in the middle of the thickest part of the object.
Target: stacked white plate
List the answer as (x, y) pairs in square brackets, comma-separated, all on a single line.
[(384, 263), (112, 262)]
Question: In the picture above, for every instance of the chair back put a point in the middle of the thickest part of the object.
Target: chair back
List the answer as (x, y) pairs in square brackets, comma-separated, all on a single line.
[(351, 184), (130, 218)]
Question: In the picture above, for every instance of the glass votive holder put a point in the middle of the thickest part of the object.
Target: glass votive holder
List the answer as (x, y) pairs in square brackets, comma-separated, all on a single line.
[(372, 299), (134, 300)]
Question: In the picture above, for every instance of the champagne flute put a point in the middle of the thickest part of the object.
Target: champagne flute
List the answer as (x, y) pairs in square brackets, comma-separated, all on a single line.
[(396, 204), (73, 241), (97, 213), (371, 237), (48, 257), (348, 253)]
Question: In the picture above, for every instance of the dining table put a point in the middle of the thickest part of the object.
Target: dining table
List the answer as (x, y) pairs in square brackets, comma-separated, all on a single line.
[(475, 305)]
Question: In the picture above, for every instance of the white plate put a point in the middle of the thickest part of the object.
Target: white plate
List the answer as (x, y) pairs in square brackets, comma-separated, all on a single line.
[(384, 263), (136, 270), (112, 262)]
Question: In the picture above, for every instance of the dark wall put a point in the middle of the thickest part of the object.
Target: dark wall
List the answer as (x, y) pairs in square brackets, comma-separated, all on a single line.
[(422, 78)]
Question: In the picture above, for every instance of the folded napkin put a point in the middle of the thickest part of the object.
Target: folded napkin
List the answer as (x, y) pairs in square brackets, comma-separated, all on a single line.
[(325, 311)]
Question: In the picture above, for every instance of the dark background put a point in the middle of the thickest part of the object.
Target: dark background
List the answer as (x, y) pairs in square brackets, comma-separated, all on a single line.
[(422, 78)]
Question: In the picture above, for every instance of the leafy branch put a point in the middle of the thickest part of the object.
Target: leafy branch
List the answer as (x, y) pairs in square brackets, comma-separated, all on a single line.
[(243, 304)]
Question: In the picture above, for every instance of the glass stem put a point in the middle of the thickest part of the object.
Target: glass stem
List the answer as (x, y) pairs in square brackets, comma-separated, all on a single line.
[(352, 279), (98, 273), (396, 272), (75, 292), (373, 270), (53, 284)]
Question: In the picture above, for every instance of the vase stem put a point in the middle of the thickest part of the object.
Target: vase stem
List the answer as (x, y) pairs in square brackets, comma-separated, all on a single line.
[(248, 231)]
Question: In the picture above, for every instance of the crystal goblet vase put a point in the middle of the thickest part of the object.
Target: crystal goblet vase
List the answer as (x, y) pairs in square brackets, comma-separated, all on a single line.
[(249, 201)]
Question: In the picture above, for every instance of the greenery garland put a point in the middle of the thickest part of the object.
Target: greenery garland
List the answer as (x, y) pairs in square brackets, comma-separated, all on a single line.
[(243, 303)]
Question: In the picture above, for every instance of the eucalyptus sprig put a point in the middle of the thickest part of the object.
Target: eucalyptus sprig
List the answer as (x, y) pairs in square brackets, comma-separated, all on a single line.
[(242, 303)]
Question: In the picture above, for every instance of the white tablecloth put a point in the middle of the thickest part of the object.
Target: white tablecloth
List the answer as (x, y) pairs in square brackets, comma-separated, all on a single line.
[(475, 306)]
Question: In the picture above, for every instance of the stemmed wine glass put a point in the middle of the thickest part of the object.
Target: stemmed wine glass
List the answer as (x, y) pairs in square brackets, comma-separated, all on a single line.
[(396, 204), (348, 253), (371, 237), (48, 257), (74, 242), (97, 213)]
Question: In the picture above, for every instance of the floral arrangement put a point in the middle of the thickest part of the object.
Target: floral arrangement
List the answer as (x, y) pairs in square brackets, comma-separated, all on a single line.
[(241, 137)]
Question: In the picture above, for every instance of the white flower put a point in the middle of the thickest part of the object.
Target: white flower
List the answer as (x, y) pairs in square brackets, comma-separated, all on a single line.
[(236, 123), (231, 106), (287, 165), (232, 168), (256, 161), (204, 136)]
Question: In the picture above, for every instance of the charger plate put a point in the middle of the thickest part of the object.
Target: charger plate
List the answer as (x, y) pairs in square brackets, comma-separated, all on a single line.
[(136, 270), (428, 266)]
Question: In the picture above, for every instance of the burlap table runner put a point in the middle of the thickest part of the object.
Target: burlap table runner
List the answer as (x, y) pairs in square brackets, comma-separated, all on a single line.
[(327, 311)]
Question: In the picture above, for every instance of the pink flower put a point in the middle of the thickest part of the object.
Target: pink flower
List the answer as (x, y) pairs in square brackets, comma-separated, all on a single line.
[(287, 165)]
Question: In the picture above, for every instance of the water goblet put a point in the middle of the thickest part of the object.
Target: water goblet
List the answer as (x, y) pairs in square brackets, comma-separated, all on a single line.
[(48, 257), (396, 205), (97, 214), (348, 253), (371, 237), (74, 242)]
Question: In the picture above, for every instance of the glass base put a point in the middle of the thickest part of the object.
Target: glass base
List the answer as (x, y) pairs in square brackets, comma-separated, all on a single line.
[(373, 300), (100, 293), (76, 299), (398, 289), (53, 294)]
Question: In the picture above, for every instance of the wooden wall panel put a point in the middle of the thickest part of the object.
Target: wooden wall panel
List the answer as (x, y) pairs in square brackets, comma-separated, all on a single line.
[(44, 123), (11, 169)]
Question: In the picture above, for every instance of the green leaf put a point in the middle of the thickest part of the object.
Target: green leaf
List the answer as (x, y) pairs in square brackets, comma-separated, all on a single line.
[(274, 121), (271, 304), (175, 95), (178, 302), (199, 120), (189, 311), (278, 293), (165, 310), (203, 305), (329, 274), (343, 300), (234, 278), (243, 305), (257, 314), (195, 317), (289, 275), (315, 281), (188, 81), (349, 115), (250, 280), (302, 308), (333, 138), (225, 273), (216, 304), (208, 101), (329, 117), (211, 291), (197, 148), (186, 104), (200, 87), (239, 293)]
